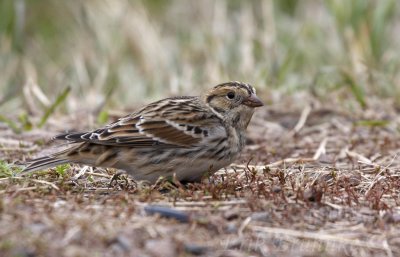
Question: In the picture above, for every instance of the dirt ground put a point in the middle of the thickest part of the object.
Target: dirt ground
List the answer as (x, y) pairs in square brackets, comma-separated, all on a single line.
[(316, 179)]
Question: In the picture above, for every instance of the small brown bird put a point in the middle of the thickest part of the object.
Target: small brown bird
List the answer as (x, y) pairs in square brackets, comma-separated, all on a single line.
[(188, 136)]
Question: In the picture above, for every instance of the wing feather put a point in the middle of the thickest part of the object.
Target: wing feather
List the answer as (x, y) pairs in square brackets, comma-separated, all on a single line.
[(173, 122)]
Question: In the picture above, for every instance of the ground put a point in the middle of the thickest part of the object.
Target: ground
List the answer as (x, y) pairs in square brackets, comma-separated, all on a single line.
[(317, 179), (319, 175)]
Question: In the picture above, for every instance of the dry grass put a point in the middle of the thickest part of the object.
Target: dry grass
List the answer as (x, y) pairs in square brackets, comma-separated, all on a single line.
[(319, 180), (319, 176)]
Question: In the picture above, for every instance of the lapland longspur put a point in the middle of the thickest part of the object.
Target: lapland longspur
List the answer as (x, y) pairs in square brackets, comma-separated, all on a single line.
[(187, 136)]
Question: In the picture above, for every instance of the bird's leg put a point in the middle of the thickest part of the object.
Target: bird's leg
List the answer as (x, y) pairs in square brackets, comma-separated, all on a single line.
[(116, 176)]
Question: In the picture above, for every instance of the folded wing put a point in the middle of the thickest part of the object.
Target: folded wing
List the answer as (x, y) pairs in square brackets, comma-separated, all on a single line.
[(168, 123)]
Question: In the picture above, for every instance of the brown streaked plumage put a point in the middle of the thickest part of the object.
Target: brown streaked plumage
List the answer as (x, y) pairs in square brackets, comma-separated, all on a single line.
[(187, 136)]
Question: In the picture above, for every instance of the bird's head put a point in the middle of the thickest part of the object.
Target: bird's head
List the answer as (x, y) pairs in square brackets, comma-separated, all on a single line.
[(234, 102)]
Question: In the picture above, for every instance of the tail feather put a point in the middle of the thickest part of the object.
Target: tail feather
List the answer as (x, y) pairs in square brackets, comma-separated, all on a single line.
[(48, 161), (43, 163)]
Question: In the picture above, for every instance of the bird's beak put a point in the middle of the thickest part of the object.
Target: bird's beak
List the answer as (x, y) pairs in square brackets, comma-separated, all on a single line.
[(253, 101)]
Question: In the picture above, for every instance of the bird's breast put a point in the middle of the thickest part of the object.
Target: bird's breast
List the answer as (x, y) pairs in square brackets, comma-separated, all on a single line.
[(236, 140)]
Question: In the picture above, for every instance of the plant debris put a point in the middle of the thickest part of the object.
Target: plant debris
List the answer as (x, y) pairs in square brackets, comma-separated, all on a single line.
[(328, 186)]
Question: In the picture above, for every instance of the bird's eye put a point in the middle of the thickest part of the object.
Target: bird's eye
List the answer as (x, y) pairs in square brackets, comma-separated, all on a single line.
[(230, 95)]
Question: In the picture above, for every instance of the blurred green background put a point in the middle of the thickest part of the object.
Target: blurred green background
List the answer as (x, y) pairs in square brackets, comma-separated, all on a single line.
[(122, 53)]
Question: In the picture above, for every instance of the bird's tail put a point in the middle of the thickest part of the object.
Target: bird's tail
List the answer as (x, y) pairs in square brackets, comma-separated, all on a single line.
[(44, 163)]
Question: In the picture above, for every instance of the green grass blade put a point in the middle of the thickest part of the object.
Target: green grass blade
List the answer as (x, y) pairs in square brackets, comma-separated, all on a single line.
[(10, 123), (60, 98), (372, 123), (355, 89)]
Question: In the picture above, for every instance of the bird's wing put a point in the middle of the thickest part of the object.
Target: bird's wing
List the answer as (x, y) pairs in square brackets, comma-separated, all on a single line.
[(172, 122)]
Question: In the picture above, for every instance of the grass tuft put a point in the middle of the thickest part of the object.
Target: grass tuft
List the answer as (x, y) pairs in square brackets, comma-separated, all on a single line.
[(8, 170), (62, 169)]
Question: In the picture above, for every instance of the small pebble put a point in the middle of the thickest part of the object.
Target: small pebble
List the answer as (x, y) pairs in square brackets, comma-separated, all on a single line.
[(195, 249), (167, 212)]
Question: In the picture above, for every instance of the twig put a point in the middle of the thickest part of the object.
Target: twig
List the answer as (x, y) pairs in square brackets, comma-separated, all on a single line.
[(317, 236), (45, 183), (321, 149), (23, 189), (334, 206), (14, 142), (81, 172), (98, 174), (33, 180), (19, 149), (378, 176), (200, 203), (359, 157), (302, 120), (289, 160), (388, 249), (244, 224)]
